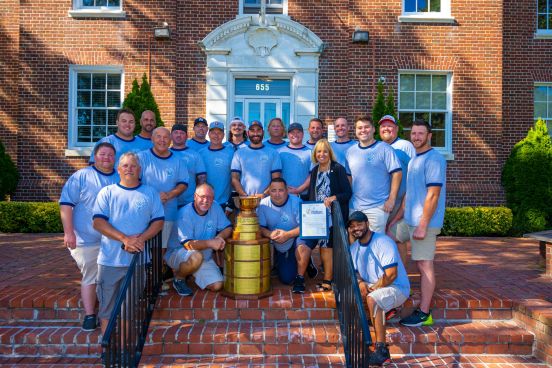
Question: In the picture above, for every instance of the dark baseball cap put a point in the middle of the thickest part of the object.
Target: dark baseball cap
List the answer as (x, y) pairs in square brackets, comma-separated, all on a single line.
[(179, 127), (200, 120), (357, 216), (295, 126), (255, 122)]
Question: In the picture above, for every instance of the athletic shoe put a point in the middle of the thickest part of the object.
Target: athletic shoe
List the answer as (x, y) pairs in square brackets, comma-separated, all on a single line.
[(89, 323), (298, 285), (181, 287), (380, 355), (312, 271), (417, 318)]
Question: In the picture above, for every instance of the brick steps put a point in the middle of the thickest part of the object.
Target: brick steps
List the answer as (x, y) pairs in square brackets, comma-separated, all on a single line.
[(18, 362), (324, 361)]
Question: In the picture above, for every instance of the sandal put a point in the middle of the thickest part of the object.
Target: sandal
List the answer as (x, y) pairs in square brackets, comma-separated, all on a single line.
[(325, 285)]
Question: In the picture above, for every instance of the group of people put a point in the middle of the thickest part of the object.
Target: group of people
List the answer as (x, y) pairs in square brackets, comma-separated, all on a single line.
[(390, 192)]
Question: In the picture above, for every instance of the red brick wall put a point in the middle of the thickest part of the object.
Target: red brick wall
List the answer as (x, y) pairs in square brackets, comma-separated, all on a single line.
[(473, 48)]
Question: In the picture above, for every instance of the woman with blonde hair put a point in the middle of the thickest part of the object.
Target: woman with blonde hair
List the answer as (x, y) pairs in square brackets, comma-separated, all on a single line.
[(328, 183)]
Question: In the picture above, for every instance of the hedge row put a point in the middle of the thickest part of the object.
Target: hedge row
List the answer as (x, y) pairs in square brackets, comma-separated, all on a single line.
[(32, 217)]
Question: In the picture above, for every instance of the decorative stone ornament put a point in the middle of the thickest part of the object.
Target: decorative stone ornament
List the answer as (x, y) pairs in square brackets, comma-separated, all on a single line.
[(262, 40)]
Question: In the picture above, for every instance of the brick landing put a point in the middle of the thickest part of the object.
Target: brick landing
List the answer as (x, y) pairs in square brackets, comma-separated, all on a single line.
[(490, 291)]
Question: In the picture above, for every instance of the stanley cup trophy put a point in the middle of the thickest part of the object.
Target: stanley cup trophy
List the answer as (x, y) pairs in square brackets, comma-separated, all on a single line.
[(247, 256)]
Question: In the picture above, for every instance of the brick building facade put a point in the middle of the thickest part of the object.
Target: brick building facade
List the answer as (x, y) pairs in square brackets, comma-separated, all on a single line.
[(478, 68)]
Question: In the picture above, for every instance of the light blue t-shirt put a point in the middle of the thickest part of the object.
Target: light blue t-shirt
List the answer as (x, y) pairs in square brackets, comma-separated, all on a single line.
[(194, 163), (195, 145), (310, 145), (193, 226), (121, 146), (405, 151), (275, 146), (142, 143), (340, 149), (405, 146), (80, 192), (163, 174), (236, 147), (371, 168), (285, 217), (372, 259), (256, 166), (217, 164), (425, 170), (129, 210), (296, 164)]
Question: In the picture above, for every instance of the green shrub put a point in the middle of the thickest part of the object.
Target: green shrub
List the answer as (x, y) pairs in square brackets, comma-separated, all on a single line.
[(9, 176), (477, 221), (141, 99), (30, 217), (527, 181)]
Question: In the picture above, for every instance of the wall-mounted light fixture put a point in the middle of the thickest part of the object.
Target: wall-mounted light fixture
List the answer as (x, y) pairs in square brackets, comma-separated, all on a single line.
[(360, 36), (162, 32)]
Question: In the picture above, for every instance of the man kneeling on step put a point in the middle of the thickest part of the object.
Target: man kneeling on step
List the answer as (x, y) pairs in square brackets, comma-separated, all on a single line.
[(382, 278), (201, 229)]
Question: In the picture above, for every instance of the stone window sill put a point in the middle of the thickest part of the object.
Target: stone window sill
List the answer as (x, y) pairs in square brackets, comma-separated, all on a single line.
[(426, 19), (97, 13), (543, 35), (78, 152)]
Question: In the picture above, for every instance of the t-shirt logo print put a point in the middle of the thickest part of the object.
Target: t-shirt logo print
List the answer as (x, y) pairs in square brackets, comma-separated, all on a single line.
[(284, 218), (209, 226), (219, 162), (140, 204), (170, 172)]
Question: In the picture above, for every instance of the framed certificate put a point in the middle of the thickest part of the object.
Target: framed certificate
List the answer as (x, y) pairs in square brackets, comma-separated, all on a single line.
[(314, 220)]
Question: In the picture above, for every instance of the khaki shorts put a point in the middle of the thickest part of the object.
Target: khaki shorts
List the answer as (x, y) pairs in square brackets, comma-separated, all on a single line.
[(87, 262), (167, 228), (388, 297), (377, 219), (424, 250), (400, 231), (177, 256), (108, 285)]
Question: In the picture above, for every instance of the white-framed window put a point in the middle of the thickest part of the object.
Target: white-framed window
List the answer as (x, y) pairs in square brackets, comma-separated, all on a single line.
[(96, 94), (544, 18), (542, 97), (426, 11), (427, 95), (254, 6), (97, 9)]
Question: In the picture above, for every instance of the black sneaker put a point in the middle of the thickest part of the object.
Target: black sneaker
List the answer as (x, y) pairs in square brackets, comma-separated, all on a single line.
[(182, 288), (298, 285), (312, 271), (90, 323), (380, 355), (417, 318)]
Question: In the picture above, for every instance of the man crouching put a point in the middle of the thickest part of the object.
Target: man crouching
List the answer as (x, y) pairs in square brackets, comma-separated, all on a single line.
[(201, 229), (382, 278)]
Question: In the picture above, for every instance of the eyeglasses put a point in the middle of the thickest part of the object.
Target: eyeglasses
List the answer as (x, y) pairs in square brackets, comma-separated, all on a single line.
[(204, 197)]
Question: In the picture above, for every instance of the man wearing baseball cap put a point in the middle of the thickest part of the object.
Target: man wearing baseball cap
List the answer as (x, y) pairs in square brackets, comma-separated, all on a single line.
[(296, 160), (381, 276), (237, 136), (254, 166), (199, 140)]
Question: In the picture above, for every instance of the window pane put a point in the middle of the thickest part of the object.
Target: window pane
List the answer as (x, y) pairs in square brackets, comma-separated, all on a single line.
[(286, 114), (406, 119), (275, 2), (98, 99), (252, 2), (407, 82), (83, 81), (83, 134), (438, 101), (111, 130), (541, 6), (98, 117), (540, 110), (542, 21), (254, 112), (114, 3), (435, 5), (423, 83), (406, 100), (438, 138), (101, 2), (422, 6), (114, 81), (439, 83), (112, 117), (269, 113), (98, 133), (98, 81), (87, 2), (410, 6), (83, 99), (539, 94), (438, 120), (423, 100), (423, 115), (84, 117), (113, 99), (549, 25), (238, 109)]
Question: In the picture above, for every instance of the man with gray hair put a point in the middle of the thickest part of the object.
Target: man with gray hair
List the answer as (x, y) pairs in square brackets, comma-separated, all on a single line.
[(127, 214)]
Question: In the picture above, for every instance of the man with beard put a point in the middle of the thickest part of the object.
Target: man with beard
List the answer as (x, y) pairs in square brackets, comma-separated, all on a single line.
[(423, 211), (343, 142), (381, 276), (147, 124), (296, 161), (316, 130), (237, 137), (254, 166), (76, 203), (198, 142)]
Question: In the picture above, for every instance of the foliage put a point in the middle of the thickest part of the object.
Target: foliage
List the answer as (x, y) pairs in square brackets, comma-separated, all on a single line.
[(527, 181), (378, 111), (9, 176), (30, 217), (477, 221), (141, 99)]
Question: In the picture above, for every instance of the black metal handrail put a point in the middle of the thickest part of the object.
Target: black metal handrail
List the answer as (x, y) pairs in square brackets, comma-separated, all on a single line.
[(355, 330), (126, 331)]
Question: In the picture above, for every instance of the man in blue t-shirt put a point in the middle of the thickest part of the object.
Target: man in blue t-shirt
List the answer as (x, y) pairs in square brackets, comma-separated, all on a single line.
[(279, 218), (199, 141), (201, 229), (316, 131), (296, 161), (342, 142), (375, 175), (423, 211), (76, 204), (127, 214), (255, 165), (381, 275), (147, 124)]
